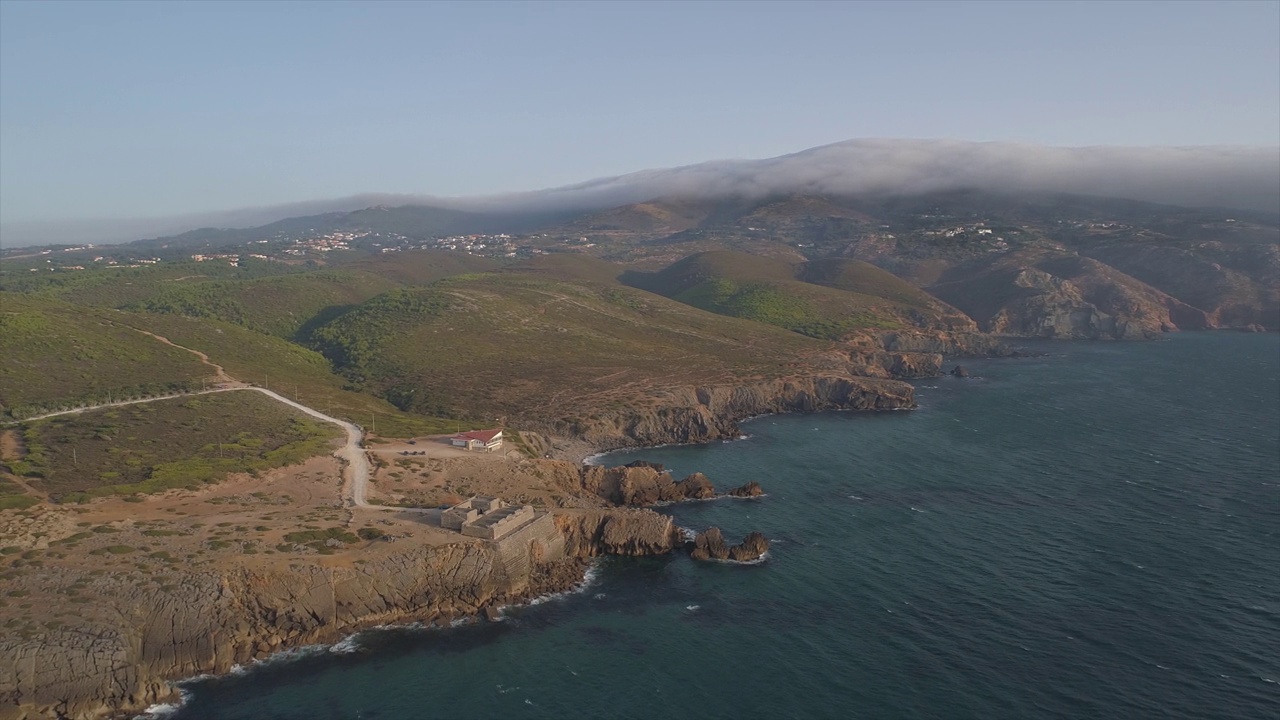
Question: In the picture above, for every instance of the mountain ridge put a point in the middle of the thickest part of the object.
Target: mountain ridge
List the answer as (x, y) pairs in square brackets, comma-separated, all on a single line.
[(1204, 176)]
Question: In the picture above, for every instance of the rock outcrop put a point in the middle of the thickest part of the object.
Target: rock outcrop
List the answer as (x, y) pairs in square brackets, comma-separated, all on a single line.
[(902, 365), (705, 413), (618, 532), (644, 485), (710, 545), (960, 371)]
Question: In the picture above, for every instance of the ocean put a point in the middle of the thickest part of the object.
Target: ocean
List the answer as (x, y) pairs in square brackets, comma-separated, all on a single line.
[(1094, 533)]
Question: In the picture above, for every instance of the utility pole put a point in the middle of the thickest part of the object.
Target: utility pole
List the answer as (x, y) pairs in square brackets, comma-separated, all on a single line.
[(266, 382), (74, 461), (374, 424)]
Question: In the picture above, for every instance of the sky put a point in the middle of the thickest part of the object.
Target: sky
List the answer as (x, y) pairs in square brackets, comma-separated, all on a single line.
[(128, 110)]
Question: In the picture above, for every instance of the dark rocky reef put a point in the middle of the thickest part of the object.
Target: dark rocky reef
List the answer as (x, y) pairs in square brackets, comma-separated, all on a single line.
[(749, 490), (710, 545)]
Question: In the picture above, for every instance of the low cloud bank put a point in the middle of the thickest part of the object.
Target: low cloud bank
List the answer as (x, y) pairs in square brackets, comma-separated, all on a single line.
[(1239, 177), (1234, 177)]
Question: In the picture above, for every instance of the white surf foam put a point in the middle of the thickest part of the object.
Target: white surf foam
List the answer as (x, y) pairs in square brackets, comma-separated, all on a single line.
[(158, 711), (346, 645), (589, 578), (764, 556)]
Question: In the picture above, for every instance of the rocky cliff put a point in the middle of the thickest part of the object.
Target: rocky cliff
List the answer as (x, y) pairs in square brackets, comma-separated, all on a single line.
[(949, 344), (712, 412), (209, 622), (618, 532), (642, 485)]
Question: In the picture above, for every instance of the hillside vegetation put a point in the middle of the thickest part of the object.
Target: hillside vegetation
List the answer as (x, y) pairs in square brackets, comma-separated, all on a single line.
[(540, 341), (288, 368), (827, 300), (59, 355), (167, 444)]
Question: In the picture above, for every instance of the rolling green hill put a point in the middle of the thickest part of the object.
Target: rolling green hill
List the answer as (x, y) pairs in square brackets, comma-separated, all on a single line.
[(274, 298), (56, 354), (827, 299), (540, 340)]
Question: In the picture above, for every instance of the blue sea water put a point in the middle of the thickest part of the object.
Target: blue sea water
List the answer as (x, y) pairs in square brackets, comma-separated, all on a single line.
[(1090, 534)]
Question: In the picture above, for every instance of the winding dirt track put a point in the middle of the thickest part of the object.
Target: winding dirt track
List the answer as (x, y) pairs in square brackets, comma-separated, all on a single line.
[(355, 483)]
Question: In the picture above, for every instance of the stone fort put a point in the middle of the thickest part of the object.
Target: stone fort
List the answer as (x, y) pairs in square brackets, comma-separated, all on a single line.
[(486, 517)]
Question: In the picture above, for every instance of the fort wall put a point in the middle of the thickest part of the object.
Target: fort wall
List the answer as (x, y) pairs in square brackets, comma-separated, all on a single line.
[(538, 541)]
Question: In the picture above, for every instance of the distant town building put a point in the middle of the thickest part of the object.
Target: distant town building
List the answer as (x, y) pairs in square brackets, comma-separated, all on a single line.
[(486, 440)]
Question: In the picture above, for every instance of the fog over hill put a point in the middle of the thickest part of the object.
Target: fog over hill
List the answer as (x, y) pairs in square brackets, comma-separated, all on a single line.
[(1217, 176)]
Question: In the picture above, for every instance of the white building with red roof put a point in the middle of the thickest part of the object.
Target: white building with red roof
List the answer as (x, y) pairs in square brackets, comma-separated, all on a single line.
[(487, 440)]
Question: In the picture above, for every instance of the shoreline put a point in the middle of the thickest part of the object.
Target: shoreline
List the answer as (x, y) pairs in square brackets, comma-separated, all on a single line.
[(722, 414), (345, 642), (348, 643)]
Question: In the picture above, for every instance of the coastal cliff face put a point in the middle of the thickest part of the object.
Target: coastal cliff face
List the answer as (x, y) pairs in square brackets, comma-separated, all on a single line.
[(210, 622), (642, 486), (618, 532), (950, 344), (712, 412)]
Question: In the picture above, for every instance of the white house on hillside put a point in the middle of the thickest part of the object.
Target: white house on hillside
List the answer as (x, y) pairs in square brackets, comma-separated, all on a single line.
[(487, 440)]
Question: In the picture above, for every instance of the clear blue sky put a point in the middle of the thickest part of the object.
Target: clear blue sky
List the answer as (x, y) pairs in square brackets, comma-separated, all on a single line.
[(145, 109)]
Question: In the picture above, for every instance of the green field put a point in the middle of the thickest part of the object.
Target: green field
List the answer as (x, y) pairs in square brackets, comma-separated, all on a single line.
[(178, 443)]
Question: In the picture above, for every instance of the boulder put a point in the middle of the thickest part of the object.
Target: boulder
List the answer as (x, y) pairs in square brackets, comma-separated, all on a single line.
[(750, 490), (960, 371)]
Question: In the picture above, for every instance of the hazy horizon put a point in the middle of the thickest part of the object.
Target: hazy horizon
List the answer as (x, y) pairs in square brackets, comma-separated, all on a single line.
[(1230, 177), (123, 120)]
